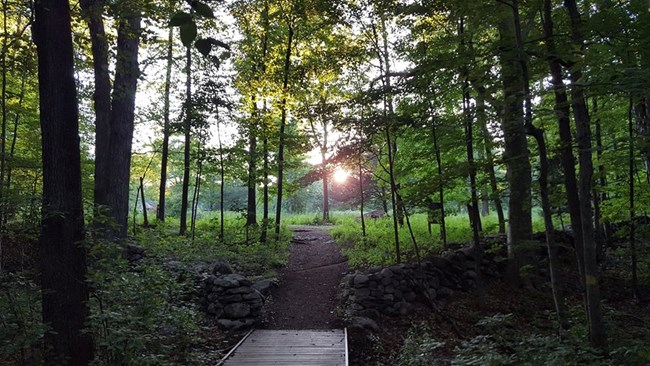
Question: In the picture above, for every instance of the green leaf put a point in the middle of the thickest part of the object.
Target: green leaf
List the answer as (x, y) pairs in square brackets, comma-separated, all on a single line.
[(180, 18), (202, 9), (188, 33), (204, 46)]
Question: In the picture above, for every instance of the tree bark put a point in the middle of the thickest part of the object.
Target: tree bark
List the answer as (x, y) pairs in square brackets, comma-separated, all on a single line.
[(516, 154), (122, 118), (562, 113), (283, 122), (597, 333), (63, 257), (251, 212), (441, 189), (469, 144), (93, 11), (187, 128), (489, 166), (632, 208), (166, 132), (114, 113)]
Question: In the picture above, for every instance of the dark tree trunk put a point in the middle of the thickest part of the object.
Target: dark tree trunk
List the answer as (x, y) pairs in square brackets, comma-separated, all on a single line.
[(603, 230), (489, 166), (122, 119), (145, 219), (3, 131), (393, 193), (251, 211), (362, 198), (63, 257), (265, 191), (469, 144), (14, 136), (325, 175), (516, 154), (562, 113), (283, 122), (441, 189), (93, 11), (114, 113), (222, 177), (597, 333), (632, 208), (187, 127), (166, 132)]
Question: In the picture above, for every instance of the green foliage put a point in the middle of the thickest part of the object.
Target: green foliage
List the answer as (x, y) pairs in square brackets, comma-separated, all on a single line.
[(419, 348), (142, 314), (503, 341), (21, 328), (378, 247), (240, 246)]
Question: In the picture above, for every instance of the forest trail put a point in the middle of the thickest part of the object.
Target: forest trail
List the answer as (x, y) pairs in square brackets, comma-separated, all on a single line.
[(306, 296)]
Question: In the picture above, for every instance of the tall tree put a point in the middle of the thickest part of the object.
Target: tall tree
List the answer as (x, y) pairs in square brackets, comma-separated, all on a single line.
[(283, 123), (516, 154), (597, 334), (63, 257), (114, 110), (160, 213), (187, 129)]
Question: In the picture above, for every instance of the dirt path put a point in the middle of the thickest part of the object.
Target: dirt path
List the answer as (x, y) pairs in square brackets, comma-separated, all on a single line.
[(306, 297)]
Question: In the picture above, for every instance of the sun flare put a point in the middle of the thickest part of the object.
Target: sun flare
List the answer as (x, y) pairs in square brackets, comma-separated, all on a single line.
[(340, 175)]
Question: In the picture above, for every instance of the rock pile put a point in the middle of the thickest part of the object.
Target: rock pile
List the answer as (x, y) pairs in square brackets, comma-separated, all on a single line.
[(234, 300), (396, 289)]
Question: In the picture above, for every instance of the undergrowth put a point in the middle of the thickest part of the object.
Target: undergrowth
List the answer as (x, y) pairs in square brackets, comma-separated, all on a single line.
[(144, 312)]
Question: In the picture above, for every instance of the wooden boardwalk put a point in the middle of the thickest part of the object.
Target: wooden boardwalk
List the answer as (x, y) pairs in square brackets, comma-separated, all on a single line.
[(290, 347)]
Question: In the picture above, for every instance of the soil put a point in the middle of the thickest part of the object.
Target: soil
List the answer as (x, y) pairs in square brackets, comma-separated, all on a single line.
[(306, 295)]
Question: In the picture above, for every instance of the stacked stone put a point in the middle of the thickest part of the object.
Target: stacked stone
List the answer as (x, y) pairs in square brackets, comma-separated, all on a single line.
[(232, 299), (395, 290)]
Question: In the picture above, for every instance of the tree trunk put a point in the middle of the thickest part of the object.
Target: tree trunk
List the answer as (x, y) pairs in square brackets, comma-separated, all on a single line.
[(562, 112), (602, 229), (222, 176), (63, 258), (251, 211), (166, 129), (597, 334), (93, 11), (441, 189), (632, 208), (265, 191), (516, 146), (469, 144), (3, 130), (14, 136), (114, 113), (187, 127), (145, 219), (122, 118), (489, 158), (283, 122), (362, 198), (325, 175)]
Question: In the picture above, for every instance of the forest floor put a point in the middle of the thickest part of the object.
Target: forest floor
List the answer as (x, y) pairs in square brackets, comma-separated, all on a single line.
[(306, 295)]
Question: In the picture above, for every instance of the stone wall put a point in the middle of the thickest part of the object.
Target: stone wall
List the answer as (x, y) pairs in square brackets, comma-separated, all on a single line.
[(234, 300), (396, 289)]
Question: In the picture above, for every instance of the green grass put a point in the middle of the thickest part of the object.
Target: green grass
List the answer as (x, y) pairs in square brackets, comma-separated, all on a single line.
[(378, 248), (240, 245)]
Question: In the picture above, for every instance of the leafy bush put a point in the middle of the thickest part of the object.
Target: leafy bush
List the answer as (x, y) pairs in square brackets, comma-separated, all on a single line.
[(419, 348), (140, 314), (21, 328)]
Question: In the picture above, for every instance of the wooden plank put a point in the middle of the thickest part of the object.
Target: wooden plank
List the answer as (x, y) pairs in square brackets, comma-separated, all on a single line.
[(291, 347)]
